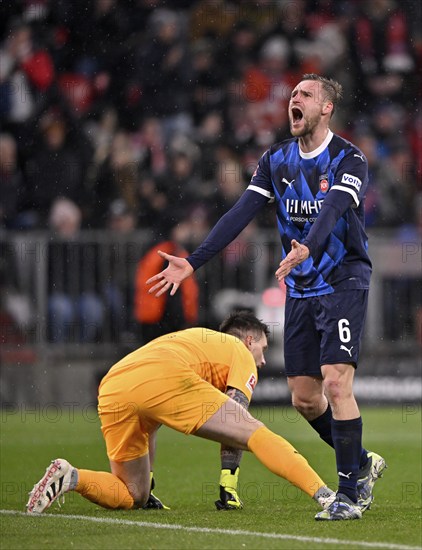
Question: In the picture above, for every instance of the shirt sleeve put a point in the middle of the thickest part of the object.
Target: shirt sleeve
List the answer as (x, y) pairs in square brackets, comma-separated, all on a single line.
[(243, 374), (261, 179), (333, 207), (228, 227), (352, 175), (258, 193)]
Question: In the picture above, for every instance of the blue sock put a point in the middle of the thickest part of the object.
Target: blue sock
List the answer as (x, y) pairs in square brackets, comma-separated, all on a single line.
[(347, 438), (322, 425)]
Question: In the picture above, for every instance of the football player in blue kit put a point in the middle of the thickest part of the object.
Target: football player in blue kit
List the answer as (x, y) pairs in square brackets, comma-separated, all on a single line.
[(318, 181)]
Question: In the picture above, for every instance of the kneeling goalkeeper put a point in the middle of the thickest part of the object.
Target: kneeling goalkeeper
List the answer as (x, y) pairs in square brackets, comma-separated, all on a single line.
[(197, 381)]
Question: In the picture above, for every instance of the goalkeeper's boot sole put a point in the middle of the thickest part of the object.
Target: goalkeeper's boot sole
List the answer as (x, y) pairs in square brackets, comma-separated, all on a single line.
[(54, 484), (367, 479)]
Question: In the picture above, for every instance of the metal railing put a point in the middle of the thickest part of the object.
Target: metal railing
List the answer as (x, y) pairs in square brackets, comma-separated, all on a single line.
[(67, 296)]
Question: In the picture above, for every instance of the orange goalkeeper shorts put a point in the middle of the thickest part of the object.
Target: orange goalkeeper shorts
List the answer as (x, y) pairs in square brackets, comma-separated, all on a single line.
[(132, 403)]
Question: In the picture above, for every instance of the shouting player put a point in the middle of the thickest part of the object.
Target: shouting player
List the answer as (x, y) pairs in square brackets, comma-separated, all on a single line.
[(194, 381), (318, 181)]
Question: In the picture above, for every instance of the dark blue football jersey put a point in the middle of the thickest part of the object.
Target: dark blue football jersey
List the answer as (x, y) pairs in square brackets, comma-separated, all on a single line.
[(299, 183)]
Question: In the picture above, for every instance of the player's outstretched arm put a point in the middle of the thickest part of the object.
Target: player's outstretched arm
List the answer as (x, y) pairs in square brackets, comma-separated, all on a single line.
[(296, 256), (177, 270)]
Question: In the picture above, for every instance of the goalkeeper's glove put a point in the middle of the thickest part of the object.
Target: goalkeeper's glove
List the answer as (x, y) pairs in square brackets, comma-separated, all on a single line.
[(153, 502), (229, 499)]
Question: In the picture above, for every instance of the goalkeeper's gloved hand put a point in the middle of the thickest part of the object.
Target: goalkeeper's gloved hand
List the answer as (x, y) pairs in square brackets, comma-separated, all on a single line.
[(229, 499), (153, 502)]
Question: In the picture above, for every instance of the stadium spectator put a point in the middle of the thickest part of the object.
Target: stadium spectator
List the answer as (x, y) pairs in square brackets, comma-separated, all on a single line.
[(208, 92), (118, 288), (122, 219), (157, 317), (382, 53), (212, 19), (117, 178), (75, 308), (16, 314), (240, 49), (292, 22), (182, 178), (164, 72), (209, 138), (54, 170), (396, 187), (11, 183), (27, 73), (149, 145), (267, 87)]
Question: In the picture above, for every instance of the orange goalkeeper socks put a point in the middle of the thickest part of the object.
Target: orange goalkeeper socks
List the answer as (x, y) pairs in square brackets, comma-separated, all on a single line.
[(283, 460), (104, 489)]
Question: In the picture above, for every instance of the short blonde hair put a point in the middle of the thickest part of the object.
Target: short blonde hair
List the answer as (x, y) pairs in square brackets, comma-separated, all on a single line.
[(332, 88)]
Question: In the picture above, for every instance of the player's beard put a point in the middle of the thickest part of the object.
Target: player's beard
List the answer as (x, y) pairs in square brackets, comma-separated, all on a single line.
[(309, 125)]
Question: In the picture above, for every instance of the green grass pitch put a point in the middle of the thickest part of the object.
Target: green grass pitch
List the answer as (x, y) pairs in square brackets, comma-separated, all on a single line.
[(187, 469)]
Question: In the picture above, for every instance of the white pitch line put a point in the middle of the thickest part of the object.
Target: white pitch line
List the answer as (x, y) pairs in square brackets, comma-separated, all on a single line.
[(215, 531)]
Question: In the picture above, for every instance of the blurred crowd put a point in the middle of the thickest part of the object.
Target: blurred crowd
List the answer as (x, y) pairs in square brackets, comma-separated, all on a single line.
[(127, 114)]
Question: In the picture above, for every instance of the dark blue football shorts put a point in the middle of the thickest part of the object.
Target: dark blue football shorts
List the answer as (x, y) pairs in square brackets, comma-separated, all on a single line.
[(323, 330)]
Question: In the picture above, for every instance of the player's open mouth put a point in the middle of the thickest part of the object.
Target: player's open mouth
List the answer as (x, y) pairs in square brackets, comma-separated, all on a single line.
[(297, 114)]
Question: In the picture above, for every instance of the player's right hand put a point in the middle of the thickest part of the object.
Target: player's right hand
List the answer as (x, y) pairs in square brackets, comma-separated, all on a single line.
[(177, 270), (296, 256), (153, 502), (229, 499)]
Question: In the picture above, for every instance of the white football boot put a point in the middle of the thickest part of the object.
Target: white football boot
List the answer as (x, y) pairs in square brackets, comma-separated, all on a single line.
[(54, 484)]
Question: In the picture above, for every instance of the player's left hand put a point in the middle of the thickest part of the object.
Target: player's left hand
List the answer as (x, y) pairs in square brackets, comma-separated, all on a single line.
[(296, 256), (229, 499)]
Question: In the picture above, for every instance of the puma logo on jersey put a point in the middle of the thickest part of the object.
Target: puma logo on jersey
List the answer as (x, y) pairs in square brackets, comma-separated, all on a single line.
[(347, 476), (289, 183), (349, 351), (360, 157)]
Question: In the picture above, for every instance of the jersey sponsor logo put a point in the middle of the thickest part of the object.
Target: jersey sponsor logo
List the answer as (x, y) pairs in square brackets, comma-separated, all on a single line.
[(303, 211), (352, 180), (251, 383), (359, 157), (323, 183)]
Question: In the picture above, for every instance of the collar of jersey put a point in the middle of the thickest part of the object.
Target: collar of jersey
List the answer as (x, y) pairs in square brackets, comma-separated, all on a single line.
[(319, 149)]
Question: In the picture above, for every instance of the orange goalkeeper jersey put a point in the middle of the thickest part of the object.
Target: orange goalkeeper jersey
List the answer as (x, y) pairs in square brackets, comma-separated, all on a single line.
[(220, 359)]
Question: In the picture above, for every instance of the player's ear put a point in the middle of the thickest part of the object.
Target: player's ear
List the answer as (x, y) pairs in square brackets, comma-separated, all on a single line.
[(248, 340), (327, 108)]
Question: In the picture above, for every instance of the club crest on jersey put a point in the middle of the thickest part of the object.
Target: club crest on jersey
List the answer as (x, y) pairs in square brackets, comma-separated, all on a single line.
[(323, 183), (251, 383)]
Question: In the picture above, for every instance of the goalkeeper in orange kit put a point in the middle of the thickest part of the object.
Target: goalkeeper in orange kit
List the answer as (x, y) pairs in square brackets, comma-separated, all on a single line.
[(197, 381)]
